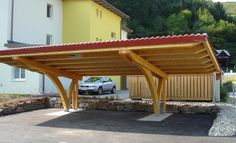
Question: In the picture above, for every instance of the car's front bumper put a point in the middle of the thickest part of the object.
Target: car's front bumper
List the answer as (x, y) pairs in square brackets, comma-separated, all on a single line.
[(88, 89)]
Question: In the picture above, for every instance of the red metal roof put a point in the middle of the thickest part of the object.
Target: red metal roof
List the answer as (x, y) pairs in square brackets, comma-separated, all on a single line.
[(162, 40)]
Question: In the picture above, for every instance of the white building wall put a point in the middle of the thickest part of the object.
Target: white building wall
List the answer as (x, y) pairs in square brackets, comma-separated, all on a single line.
[(30, 25), (124, 35), (9, 86), (50, 88), (4, 15)]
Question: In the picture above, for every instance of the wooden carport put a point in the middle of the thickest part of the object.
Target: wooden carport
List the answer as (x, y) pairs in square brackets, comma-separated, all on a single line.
[(155, 56)]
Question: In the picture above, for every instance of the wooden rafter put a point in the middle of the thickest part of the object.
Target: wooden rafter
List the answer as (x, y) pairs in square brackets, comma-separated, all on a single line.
[(211, 54), (71, 62)]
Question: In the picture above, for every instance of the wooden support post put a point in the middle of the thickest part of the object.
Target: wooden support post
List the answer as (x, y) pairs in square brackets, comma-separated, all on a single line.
[(71, 92), (73, 99), (164, 95), (76, 94), (153, 90), (160, 91)]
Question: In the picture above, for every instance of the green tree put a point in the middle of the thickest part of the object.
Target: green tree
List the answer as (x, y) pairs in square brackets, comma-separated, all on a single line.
[(179, 23), (162, 17), (205, 21), (218, 11)]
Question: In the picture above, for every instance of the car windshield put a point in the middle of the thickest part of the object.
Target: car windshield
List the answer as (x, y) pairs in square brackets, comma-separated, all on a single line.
[(93, 79)]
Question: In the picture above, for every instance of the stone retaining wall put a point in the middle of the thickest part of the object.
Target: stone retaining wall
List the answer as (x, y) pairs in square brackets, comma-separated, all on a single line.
[(25, 105), (139, 106), (106, 104)]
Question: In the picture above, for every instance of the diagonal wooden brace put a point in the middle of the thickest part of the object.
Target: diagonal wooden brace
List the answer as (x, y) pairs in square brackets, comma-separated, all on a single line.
[(148, 70), (138, 60), (61, 91), (44, 68), (53, 74)]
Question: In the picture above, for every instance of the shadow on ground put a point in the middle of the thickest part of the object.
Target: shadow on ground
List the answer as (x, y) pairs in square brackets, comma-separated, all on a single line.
[(177, 124)]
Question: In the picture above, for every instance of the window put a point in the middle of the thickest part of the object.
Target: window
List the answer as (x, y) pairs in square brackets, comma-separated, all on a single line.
[(18, 73), (100, 14), (109, 80), (49, 39), (49, 10), (97, 12), (113, 35)]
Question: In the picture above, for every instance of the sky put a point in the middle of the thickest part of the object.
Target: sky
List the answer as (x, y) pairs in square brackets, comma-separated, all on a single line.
[(224, 0)]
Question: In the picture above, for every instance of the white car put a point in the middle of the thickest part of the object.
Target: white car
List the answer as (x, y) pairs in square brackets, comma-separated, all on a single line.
[(97, 85)]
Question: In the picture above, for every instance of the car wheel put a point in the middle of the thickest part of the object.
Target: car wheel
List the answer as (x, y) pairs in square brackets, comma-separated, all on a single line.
[(113, 89), (100, 91)]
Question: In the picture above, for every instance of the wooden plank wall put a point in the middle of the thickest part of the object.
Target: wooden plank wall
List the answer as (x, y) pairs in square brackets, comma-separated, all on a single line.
[(179, 87)]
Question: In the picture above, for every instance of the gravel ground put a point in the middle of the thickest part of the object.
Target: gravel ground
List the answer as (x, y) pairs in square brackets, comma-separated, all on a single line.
[(225, 122)]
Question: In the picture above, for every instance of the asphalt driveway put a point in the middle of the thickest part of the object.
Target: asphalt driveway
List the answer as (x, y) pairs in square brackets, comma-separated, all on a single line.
[(93, 126)]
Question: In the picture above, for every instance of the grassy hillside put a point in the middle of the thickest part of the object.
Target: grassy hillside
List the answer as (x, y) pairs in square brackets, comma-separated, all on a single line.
[(230, 8)]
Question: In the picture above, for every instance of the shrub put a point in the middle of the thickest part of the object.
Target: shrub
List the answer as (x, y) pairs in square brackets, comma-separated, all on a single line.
[(228, 86), (223, 94)]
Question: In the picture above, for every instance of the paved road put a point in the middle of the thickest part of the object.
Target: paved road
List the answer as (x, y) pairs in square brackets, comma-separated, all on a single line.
[(105, 127)]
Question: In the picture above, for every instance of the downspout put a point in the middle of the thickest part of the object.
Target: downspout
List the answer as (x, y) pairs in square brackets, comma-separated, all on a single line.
[(12, 18), (43, 88)]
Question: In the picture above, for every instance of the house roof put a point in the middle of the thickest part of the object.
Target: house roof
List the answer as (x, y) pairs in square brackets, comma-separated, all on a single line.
[(126, 29), (112, 8), (177, 54), (222, 50), (14, 44)]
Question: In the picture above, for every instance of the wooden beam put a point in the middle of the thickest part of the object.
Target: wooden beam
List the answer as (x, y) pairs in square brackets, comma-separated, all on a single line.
[(44, 68), (177, 57), (82, 56), (186, 62), (83, 61), (101, 66), (200, 51), (153, 52), (177, 60), (109, 73), (142, 62), (94, 65), (105, 70), (188, 66), (101, 50), (207, 61)]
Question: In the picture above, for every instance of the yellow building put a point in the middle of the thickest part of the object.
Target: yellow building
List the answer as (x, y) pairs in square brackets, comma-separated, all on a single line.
[(91, 20)]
